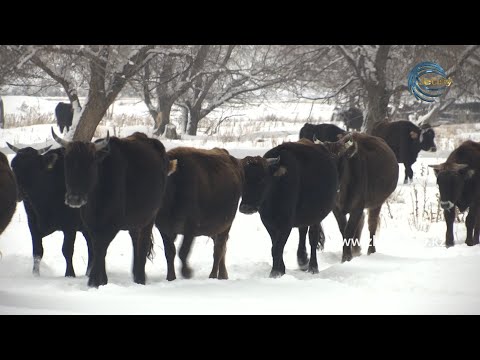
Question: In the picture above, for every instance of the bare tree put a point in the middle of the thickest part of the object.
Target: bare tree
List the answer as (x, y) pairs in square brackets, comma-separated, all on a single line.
[(107, 69), (167, 77), (240, 74)]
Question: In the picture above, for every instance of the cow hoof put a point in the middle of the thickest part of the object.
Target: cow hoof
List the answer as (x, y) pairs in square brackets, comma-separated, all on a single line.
[(139, 280), (469, 243), (313, 270), (222, 276), (356, 251), (276, 274), (302, 261), (70, 275), (449, 244), (36, 273), (371, 250), (171, 277), (346, 257), (187, 273)]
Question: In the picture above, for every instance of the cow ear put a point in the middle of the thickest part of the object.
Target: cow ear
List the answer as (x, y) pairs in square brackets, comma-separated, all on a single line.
[(436, 168), (413, 135), (172, 166), (50, 160)]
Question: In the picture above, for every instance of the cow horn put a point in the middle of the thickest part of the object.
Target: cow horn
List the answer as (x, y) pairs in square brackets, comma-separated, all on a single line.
[(315, 140), (273, 161), (346, 138), (44, 150), (14, 148), (101, 144), (61, 141), (458, 167)]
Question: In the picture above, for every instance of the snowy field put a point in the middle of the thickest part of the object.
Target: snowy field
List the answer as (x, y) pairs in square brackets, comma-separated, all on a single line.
[(411, 273)]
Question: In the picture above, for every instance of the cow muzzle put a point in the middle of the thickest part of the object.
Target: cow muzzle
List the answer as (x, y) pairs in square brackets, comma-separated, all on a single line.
[(75, 201), (446, 205), (247, 209)]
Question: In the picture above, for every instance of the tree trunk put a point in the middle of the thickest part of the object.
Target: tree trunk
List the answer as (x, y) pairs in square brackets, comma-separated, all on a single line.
[(193, 122), (2, 114), (92, 114), (163, 117), (377, 106), (184, 119)]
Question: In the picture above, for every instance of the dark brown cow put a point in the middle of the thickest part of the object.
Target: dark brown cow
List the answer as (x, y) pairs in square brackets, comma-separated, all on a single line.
[(368, 172), (458, 179), (8, 193), (201, 199), (118, 184)]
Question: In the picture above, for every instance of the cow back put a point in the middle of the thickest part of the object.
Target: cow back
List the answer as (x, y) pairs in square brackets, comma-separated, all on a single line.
[(307, 191), (203, 193), (131, 183), (369, 173)]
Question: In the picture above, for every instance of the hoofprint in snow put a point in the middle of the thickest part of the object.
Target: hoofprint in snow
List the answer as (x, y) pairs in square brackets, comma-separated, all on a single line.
[(411, 273)]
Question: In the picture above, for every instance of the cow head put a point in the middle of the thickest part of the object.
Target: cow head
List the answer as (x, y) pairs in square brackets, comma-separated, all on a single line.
[(307, 131), (341, 147), (259, 174), (81, 167), (29, 165), (427, 138), (451, 180)]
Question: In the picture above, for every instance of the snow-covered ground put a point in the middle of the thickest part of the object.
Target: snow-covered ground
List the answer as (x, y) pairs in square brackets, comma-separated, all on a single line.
[(411, 273)]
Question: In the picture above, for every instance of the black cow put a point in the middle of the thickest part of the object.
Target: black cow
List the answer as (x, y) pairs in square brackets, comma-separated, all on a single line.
[(323, 132), (64, 115), (118, 184), (406, 140), (292, 185), (41, 184), (458, 179), (8, 193), (352, 118), (368, 173), (201, 199)]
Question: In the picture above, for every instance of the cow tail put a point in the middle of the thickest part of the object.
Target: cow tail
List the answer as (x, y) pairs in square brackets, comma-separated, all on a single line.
[(151, 251)]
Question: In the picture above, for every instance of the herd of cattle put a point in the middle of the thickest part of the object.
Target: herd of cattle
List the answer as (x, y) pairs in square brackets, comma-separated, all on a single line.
[(133, 183)]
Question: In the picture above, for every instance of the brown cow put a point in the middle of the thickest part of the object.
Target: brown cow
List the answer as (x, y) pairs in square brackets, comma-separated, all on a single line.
[(368, 172), (8, 193), (458, 179), (201, 199)]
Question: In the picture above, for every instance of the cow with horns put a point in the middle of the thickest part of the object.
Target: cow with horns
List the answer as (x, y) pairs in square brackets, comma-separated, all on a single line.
[(118, 184), (458, 180), (41, 186)]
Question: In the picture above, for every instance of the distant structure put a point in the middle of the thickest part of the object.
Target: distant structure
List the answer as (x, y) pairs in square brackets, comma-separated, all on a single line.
[(2, 114)]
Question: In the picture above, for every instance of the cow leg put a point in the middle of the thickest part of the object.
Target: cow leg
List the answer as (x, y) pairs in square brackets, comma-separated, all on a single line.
[(219, 251), (373, 216), (100, 241), (88, 239), (187, 271), (314, 238), (350, 229), (67, 250), (143, 245), (476, 234), (341, 220), (470, 223), (321, 238), (449, 219), (356, 248), (170, 251), (279, 239), (37, 249), (61, 128), (408, 173), (302, 257)]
